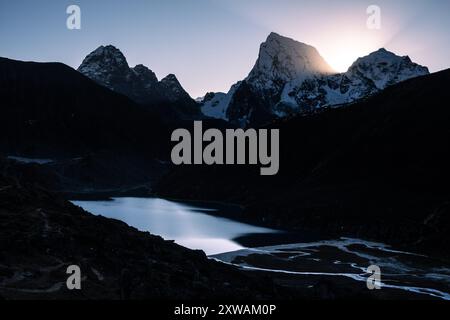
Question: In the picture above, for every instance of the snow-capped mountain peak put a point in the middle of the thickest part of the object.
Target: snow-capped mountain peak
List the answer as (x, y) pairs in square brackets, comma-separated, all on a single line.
[(282, 59), (367, 75), (385, 68), (291, 77)]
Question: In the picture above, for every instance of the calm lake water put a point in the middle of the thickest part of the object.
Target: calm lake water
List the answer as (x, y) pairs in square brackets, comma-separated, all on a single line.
[(189, 225)]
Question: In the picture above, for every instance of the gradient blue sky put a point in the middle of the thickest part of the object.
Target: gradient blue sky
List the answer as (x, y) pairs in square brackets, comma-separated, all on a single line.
[(210, 44)]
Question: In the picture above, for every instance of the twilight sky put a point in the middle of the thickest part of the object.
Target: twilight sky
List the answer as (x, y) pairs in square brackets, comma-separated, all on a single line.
[(210, 44)]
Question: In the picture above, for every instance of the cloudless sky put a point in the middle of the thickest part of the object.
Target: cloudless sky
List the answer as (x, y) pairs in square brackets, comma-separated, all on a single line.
[(211, 44)]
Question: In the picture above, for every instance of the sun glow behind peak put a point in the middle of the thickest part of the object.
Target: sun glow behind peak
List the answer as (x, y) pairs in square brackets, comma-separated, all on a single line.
[(341, 59), (342, 51)]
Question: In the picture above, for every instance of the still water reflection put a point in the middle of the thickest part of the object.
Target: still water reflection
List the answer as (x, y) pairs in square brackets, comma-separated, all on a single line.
[(190, 226)]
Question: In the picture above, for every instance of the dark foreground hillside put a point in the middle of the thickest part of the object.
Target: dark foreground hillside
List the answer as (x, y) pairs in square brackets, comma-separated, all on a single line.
[(378, 169), (50, 110), (99, 140), (41, 235)]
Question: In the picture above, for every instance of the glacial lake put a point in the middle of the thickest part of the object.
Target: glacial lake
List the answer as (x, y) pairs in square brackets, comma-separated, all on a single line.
[(293, 257), (189, 225)]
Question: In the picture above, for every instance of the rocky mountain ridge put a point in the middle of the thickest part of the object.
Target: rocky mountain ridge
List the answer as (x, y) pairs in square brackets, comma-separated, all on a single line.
[(108, 67), (291, 77)]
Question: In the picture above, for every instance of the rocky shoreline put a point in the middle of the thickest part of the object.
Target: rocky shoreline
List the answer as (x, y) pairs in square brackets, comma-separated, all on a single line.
[(41, 235)]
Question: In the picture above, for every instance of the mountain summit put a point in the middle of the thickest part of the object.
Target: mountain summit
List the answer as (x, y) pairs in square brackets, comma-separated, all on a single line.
[(385, 68), (173, 89), (291, 77), (367, 76), (106, 65), (282, 59)]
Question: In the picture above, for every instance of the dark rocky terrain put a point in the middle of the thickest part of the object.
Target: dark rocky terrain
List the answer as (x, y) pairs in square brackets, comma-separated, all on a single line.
[(378, 169), (50, 110), (41, 235), (99, 140)]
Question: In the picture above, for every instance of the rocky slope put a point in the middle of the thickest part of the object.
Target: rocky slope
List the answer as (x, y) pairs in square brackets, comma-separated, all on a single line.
[(96, 138), (290, 77), (108, 67), (51, 110)]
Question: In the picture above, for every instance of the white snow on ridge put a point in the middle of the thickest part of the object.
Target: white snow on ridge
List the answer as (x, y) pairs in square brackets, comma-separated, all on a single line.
[(385, 68), (217, 106), (282, 60), (295, 73)]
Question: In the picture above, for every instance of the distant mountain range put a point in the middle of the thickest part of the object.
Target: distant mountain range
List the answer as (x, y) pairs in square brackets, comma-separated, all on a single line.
[(291, 77), (51, 111)]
